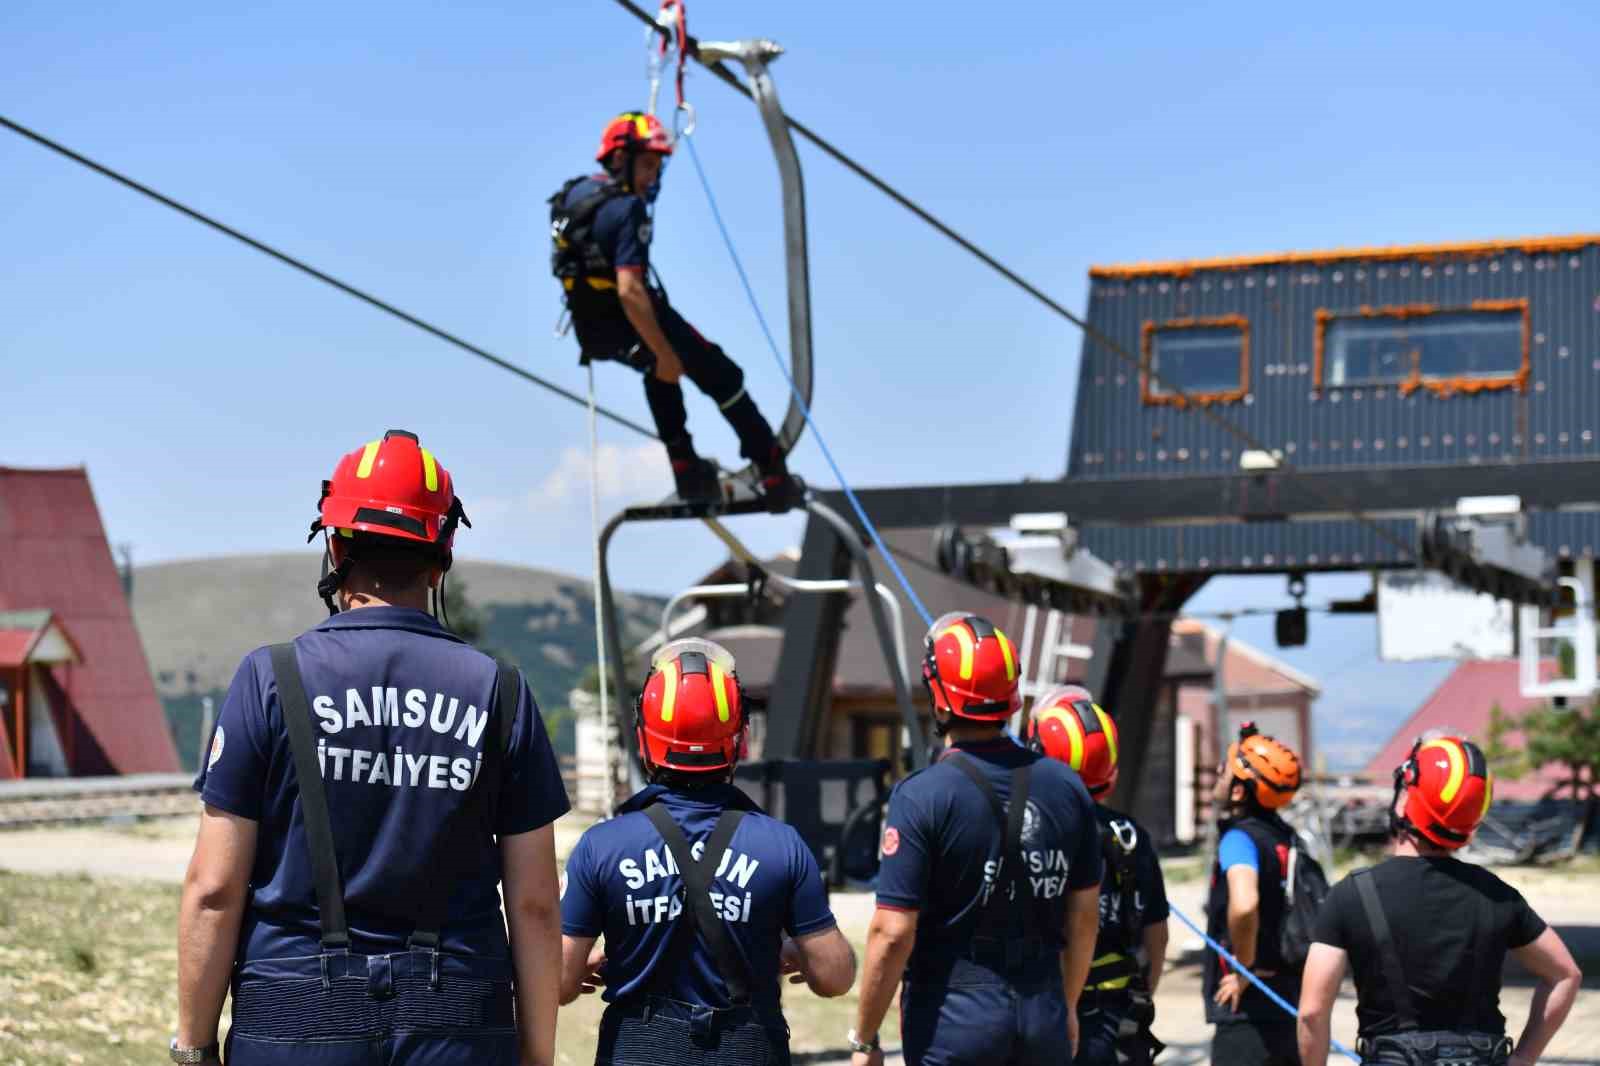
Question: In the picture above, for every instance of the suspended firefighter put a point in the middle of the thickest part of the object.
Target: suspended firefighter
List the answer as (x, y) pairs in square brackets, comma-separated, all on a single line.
[(600, 230), (1117, 1006)]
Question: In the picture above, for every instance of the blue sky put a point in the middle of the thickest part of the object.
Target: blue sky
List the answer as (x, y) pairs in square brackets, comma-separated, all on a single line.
[(409, 147)]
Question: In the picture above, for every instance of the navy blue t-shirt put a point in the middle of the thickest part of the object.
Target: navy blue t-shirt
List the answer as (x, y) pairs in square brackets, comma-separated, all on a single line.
[(941, 843), (400, 708), (621, 882), (1149, 894)]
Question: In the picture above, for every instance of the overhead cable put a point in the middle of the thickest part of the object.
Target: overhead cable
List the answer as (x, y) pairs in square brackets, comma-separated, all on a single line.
[(322, 276), (1338, 500)]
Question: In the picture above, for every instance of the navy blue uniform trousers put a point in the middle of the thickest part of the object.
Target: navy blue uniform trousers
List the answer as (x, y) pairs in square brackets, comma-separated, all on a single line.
[(411, 1008), (660, 1031), (984, 1019)]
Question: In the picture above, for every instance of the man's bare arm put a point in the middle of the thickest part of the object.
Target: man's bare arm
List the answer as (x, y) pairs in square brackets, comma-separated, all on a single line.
[(890, 938), (1559, 977), (533, 913), (641, 312), (209, 912), (1155, 950), (1244, 912), (1081, 928), (827, 961), (1319, 987)]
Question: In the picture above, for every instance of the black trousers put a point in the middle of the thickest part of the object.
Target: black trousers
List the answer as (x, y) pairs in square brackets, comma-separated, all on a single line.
[(704, 363), (1255, 1044)]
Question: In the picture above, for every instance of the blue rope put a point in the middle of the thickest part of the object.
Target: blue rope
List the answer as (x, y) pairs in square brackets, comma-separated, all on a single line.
[(883, 549), (827, 453), (1237, 965)]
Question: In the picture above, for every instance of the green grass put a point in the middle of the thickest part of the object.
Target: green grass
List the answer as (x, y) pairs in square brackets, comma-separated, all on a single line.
[(88, 977), (87, 970)]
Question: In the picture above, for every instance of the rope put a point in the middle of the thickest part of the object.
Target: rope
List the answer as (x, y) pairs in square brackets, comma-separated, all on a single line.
[(783, 368), (1240, 967), (1338, 500), (599, 610), (306, 268)]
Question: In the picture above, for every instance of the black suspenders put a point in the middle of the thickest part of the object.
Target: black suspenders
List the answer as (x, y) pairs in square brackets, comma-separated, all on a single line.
[(995, 919), (699, 914), (477, 806)]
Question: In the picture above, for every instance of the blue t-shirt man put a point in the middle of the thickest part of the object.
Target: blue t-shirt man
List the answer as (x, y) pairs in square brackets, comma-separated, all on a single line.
[(621, 231), (621, 883), (400, 709), (966, 998)]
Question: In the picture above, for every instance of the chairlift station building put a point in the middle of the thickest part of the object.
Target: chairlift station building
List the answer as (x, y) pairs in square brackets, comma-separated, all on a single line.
[(1366, 392)]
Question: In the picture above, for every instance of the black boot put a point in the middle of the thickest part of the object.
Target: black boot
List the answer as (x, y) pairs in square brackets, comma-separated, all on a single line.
[(781, 488), (696, 479)]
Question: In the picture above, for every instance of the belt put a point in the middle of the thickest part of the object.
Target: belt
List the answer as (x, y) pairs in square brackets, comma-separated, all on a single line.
[(702, 1020), (1436, 1048)]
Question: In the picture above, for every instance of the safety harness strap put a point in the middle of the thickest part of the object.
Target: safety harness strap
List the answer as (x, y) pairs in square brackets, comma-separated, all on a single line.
[(462, 829), (1010, 815), (1388, 959), (313, 798), (699, 914)]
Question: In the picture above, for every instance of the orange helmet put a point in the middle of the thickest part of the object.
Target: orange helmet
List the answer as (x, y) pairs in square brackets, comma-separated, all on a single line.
[(1448, 789), (635, 131), (1068, 725), (691, 710), (970, 669), (392, 487), (1265, 765)]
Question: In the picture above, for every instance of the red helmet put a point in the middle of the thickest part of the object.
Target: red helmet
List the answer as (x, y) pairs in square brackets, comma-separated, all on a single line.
[(636, 131), (1068, 725), (970, 669), (1264, 765), (691, 709), (1448, 789), (392, 487)]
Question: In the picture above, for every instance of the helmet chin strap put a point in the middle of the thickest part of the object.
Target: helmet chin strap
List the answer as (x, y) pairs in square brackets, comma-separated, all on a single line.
[(332, 576)]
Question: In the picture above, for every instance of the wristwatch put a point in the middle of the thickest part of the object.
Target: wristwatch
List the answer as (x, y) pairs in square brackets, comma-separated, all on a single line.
[(858, 1046), (192, 1055)]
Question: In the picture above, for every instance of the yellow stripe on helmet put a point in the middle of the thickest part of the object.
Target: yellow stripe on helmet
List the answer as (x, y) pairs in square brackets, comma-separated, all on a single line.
[(1488, 795), (717, 679), (1458, 767), (642, 125), (964, 636), (1110, 729), (669, 694), (1005, 649), (430, 471), (369, 455)]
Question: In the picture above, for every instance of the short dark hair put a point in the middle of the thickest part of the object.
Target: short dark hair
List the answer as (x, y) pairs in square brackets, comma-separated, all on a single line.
[(393, 562)]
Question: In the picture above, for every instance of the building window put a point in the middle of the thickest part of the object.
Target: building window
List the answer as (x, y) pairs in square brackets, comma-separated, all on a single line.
[(1443, 350), (1197, 360)]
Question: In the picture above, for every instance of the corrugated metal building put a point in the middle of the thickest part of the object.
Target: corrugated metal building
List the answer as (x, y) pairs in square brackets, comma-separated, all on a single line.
[(1418, 356), (76, 695)]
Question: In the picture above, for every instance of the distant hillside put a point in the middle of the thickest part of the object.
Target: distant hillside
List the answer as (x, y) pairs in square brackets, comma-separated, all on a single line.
[(199, 617)]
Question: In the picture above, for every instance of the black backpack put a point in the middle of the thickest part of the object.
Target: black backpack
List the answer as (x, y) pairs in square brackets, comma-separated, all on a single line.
[(1305, 887)]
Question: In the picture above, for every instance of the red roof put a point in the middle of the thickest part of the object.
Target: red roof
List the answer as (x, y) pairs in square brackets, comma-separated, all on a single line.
[(1461, 705), (53, 554), (14, 645)]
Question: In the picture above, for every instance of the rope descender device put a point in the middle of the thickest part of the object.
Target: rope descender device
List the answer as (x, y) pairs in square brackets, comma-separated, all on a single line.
[(669, 37)]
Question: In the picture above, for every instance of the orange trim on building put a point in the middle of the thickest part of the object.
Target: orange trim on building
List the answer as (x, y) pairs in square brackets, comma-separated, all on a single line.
[(1443, 387), (1418, 252), (1147, 333)]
